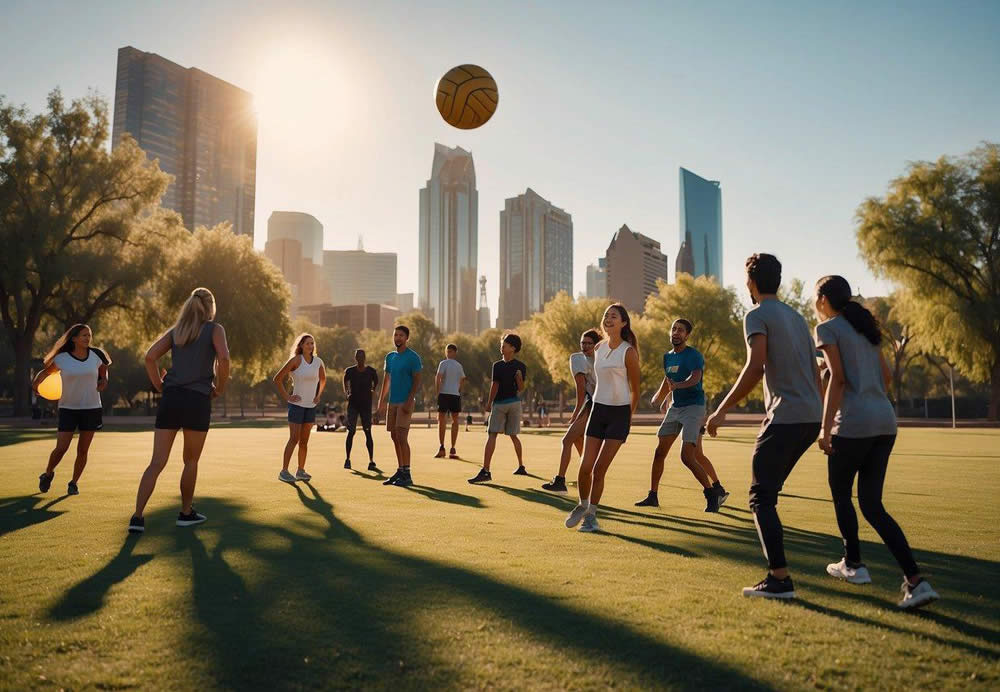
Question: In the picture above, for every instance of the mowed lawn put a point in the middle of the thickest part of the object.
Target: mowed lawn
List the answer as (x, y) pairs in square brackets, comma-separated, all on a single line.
[(344, 583)]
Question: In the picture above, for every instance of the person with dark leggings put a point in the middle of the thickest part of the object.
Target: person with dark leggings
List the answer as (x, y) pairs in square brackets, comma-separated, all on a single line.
[(859, 431), (780, 349), (360, 382)]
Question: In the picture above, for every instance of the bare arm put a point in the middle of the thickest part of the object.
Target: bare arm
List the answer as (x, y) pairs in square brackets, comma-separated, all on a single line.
[(886, 374), (408, 406), (519, 379), (221, 359), (693, 379), (281, 377), (322, 384), (661, 392), (437, 383), (102, 377), (834, 392), (581, 395), (632, 370), (493, 395), (382, 397), (153, 354), (753, 371)]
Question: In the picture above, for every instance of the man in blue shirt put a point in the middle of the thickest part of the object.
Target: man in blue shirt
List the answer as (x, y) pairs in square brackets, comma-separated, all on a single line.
[(683, 368), (400, 383)]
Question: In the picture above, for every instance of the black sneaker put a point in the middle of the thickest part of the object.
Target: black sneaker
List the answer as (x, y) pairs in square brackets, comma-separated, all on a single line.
[(771, 587), (711, 500), (721, 492), (373, 467), (45, 482), (347, 463), (650, 501), (521, 471), (404, 480), (190, 519), (558, 485), (453, 454), (440, 453), (72, 489), (393, 478), (136, 524), (482, 477)]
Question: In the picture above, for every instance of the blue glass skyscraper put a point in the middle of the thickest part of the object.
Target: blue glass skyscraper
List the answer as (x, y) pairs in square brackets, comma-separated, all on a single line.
[(701, 225)]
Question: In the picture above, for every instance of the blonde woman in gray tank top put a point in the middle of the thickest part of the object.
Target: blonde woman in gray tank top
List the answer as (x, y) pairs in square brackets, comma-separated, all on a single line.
[(308, 375), (199, 372)]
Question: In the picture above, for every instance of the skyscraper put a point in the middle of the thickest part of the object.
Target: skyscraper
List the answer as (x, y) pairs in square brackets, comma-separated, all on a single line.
[(536, 256), (634, 264), (685, 258), (597, 279), (356, 277), (449, 241), (203, 131), (289, 232), (701, 223)]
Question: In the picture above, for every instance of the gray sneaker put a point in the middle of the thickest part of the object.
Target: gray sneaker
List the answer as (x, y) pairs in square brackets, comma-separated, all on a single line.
[(590, 523), (285, 476), (301, 475), (917, 596), (576, 516)]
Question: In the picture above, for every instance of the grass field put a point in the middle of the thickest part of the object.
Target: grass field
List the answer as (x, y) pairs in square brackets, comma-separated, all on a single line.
[(344, 583)]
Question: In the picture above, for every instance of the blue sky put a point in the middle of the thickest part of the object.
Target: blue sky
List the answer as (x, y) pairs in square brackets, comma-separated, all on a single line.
[(801, 109)]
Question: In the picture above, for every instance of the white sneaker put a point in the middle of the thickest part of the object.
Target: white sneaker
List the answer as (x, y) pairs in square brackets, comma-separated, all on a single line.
[(301, 475), (854, 575), (576, 516), (917, 596), (285, 476), (590, 524)]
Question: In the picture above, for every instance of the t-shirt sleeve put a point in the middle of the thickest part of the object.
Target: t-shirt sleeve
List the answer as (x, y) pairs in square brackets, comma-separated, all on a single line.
[(461, 371), (100, 354), (825, 336), (578, 364), (753, 323), (385, 365), (417, 365), (60, 360), (698, 362), (441, 368), (524, 370), (664, 363)]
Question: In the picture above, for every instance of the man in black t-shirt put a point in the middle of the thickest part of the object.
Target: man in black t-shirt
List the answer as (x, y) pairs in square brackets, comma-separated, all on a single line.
[(504, 405), (359, 382)]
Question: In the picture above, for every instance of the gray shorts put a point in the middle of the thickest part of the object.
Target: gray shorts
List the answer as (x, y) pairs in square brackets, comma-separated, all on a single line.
[(686, 420), (505, 418)]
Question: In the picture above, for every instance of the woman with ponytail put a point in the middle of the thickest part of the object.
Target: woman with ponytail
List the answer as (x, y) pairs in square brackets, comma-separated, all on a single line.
[(859, 431), (308, 374), (84, 371), (198, 373), (616, 367)]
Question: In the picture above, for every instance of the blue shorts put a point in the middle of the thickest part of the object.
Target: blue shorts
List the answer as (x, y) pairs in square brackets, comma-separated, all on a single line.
[(301, 414)]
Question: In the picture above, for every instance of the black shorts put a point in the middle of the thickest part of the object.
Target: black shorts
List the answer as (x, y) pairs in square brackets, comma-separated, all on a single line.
[(355, 410), (82, 419), (449, 403), (609, 422), (183, 409)]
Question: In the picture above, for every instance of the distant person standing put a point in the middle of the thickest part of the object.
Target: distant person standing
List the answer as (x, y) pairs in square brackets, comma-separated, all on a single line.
[(581, 369), (84, 372), (448, 382), (504, 405), (399, 386), (616, 365), (199, 354), (360, 382), (780, 349), (859, 431), (683, 372), (308, 381)]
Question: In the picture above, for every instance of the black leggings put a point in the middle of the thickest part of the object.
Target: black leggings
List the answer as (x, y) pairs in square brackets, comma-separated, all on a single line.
[(867, 457), (368, 441)]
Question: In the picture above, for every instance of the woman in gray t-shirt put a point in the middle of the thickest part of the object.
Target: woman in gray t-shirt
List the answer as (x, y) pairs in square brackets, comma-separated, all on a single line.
[(859, 431)]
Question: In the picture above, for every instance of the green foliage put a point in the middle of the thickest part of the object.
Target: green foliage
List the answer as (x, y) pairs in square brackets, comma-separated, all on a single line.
[(557, 328), (794, 293)]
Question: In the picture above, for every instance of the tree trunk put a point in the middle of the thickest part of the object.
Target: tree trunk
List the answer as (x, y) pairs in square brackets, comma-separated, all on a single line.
[(994, 410), (22, 377)]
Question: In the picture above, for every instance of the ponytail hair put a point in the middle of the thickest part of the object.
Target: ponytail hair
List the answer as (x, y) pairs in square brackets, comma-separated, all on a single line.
[(837, 292), (64, 344), (627, 333), (198, 309)]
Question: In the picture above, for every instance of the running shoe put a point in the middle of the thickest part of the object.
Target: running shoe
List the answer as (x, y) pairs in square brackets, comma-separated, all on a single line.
[(590, 524), (373, 467), (45, 482), (347, 463), (286, 477), (723, 495), (558, 485), (453, 454), (771, 587), (521, 471), (72, 488), (650, 501), (190, 519), (855, 574), (404, 480), (918, 595), (576, 516), (301, 475), (483, 476), (393, 478), (136, 524), (441, 454), (711, 500)]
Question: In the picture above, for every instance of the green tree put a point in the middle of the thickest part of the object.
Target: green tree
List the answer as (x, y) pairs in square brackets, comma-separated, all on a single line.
[(77, 223), (557, 328), (425, 341), (794, 293), (898, 339), (476, 357), (937, 234)]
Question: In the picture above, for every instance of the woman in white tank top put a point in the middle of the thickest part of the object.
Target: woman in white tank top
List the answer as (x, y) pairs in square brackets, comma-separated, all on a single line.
[(308, 381), (616, 365)]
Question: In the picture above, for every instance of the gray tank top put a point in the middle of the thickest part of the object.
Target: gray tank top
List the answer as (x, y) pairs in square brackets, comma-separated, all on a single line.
[(193, 365)]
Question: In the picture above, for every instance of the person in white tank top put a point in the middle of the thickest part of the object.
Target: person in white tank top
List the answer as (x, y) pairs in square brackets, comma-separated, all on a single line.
[(616, 366), (308, 375)]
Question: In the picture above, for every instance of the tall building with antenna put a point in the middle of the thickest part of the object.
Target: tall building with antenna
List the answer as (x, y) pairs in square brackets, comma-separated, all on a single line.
[(483, 313)]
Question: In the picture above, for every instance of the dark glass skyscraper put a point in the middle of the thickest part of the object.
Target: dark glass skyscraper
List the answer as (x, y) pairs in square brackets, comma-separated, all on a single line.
[(203, 131), (701, 224)]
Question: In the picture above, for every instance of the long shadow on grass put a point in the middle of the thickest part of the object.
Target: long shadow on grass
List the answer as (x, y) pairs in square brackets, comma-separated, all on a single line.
[(88, 596), (304, 611), (21, 512)]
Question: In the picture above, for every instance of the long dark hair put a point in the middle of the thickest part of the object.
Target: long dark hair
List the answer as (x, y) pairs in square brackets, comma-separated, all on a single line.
[(64, 344), (838, 293), (627, 333)]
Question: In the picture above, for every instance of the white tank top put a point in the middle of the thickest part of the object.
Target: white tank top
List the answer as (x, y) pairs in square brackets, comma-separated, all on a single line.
[(305, 380), (612, 377)]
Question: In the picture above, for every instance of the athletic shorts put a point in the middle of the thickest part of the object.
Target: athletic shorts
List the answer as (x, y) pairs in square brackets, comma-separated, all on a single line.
[(397, 419), (686, 420), (449, 403), (355, 411), (82, 419), (185, 409), (610, 422), (301, 414), (505, 419)]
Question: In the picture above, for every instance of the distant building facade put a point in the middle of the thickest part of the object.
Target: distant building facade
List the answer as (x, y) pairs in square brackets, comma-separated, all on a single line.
[(701, 224), (357, 277), (634, 264), (597, 279), (291, 231), (354, 317)]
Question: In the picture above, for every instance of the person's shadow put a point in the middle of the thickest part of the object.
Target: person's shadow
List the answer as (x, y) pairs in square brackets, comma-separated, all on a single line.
[(88, 596), (21, 512)]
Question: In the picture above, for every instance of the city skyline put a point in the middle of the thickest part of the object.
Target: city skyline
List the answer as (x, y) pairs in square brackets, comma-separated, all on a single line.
[(345, 116)]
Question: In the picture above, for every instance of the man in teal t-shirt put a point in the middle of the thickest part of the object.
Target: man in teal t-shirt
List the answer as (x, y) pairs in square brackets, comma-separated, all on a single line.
[(683, 369), (401, 382)]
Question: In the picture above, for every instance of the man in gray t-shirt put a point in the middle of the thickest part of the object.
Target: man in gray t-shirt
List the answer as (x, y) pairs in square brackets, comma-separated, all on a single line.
[(780, 350), (449, 381)]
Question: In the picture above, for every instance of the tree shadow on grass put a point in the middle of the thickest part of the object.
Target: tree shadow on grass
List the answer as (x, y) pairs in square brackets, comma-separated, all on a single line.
[(21, 512), (88, 596)]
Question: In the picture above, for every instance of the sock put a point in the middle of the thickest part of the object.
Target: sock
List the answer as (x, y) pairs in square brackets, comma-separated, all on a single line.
[(652, 493), (585, 503)]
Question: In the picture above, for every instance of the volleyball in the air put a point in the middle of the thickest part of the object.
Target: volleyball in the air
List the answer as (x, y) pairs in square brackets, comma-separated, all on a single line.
[(467, 96), (51, 387)]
